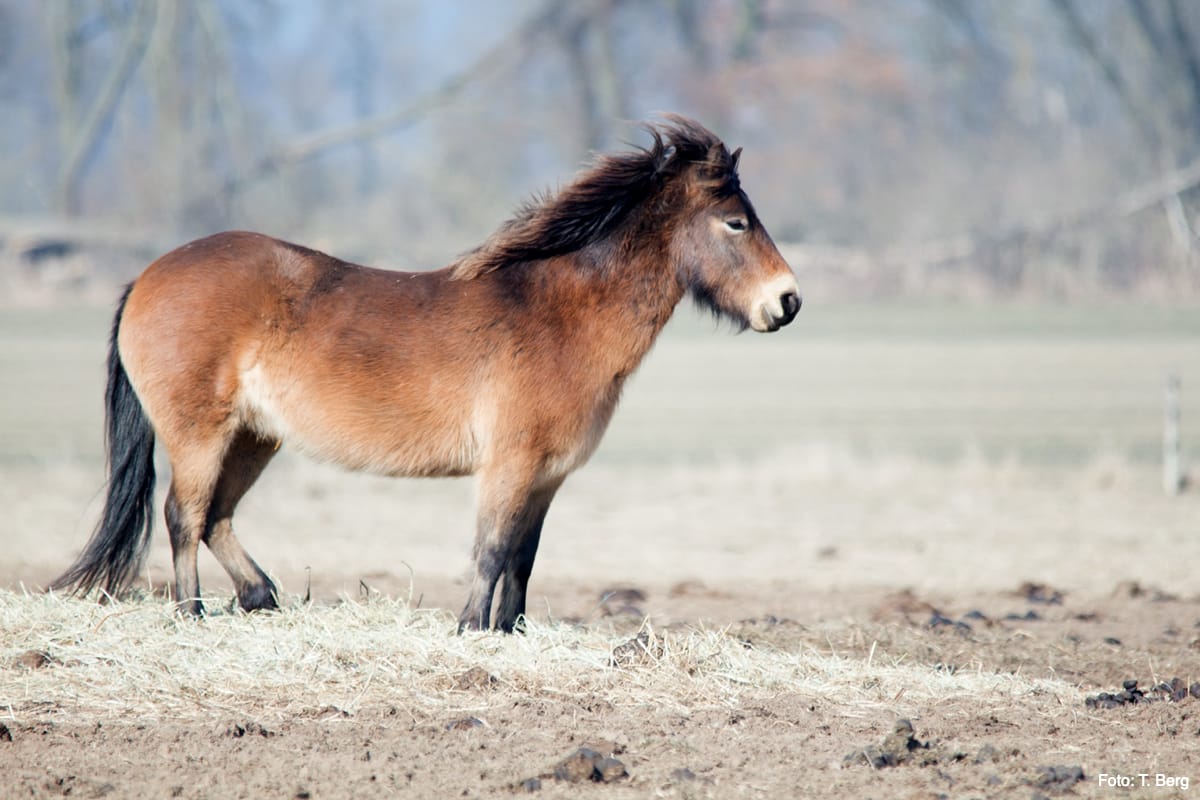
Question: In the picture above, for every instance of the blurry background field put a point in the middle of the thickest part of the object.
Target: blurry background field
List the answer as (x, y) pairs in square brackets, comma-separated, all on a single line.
[(902, 445), (1038, 384)]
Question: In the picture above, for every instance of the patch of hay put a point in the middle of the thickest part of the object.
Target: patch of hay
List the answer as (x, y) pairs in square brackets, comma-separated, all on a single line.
[(137, 659)]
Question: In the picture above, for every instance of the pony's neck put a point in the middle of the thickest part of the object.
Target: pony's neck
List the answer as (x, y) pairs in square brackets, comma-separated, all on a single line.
[(635, 296)]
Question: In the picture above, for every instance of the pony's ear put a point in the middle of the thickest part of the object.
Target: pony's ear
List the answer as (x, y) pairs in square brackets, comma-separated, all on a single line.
[(733, 159)]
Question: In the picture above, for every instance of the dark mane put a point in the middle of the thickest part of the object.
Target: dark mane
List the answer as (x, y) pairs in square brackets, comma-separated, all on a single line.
[(599, 200)]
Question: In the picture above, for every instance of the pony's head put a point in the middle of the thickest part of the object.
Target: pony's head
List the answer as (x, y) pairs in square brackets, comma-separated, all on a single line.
[(722, 253), (680, 199)]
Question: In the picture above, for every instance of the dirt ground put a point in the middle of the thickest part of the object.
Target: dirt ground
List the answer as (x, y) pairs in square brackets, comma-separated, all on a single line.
[(772, 744), (978, 602)]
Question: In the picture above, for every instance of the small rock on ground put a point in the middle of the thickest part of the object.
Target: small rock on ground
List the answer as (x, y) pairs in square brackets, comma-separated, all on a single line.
[(585, 764)]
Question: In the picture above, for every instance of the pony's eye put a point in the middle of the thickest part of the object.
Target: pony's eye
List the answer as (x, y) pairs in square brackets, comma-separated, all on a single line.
[(736, 224)]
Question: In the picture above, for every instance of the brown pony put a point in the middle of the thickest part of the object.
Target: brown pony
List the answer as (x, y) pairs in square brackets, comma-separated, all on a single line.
[(507, 364)]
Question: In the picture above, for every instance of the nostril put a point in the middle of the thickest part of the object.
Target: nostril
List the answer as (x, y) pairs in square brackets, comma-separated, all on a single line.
[(791, 304)]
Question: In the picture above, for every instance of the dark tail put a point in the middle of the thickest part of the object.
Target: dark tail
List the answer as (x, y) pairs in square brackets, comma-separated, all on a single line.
[(116, 550)]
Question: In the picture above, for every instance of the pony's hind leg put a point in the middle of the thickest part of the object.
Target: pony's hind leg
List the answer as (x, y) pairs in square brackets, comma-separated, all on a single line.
[(245, 460), (194, 477)]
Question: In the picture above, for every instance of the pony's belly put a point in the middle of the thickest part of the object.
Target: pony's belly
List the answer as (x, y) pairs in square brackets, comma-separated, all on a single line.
[(354, 433), (366, 456)]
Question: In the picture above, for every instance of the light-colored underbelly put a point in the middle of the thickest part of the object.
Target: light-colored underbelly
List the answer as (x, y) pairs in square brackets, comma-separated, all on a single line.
[(388, 440)]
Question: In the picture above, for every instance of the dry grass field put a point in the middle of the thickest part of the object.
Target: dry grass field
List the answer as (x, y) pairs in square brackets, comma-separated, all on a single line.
[(785, 545)]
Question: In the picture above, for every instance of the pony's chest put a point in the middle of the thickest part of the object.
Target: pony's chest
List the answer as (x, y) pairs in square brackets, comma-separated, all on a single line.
[(575, 436)]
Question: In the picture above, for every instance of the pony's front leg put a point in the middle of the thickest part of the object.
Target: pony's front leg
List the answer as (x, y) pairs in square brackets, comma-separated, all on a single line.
[(489, 555), (508, 508), (519, 564)]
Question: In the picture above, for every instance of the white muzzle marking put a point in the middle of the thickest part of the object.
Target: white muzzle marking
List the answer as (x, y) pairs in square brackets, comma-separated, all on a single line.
[(769, 308)]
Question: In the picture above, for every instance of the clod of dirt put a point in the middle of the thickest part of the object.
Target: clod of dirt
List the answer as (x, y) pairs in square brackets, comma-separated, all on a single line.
[(626, 596), (584, 764), (611, 769), (34, 659), (1129, 695), (1028, 616), (1057, 779), (475, 678), (1040, 593), (614, 746), (768, 621), (898, 747), (465, 724), (906, 603), (621, 603), (901, 740), (578, 767), (696, 588), (986, 755), (685, 775), (1134, 590), (685, 588), (1175, 690), (325, 712), (249, 729), (645, 648), (622, 611), (938, 621), (74, 786), (5, 733)]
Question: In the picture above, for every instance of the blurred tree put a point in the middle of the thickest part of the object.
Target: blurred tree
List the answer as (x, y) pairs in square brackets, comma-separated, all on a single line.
[(584, 34), (85, 114), (411, 128), (1159, 93)]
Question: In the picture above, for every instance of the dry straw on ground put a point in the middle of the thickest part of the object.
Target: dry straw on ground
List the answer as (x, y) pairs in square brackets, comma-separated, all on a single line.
[(138, 660)]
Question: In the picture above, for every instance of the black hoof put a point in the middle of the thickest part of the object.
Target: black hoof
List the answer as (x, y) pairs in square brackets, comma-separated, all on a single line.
[(258, 597), (190, 608), (512, 625)]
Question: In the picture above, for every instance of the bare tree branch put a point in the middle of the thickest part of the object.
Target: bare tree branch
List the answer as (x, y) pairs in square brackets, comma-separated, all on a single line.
[(1186, 51), (951, 249), (1144, 16), (1087, 43), (317, 144), (87, 138)]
